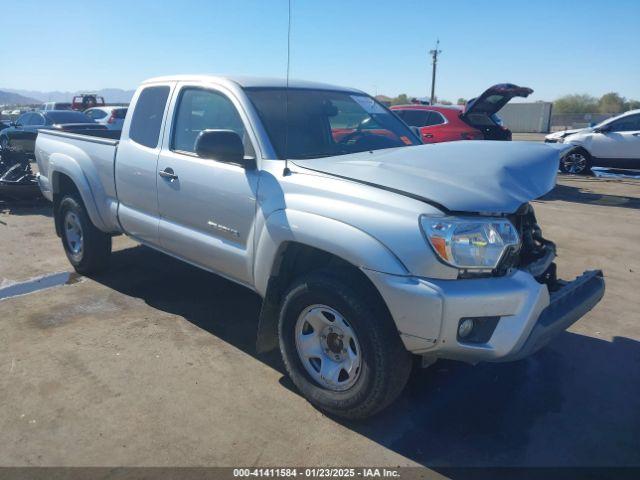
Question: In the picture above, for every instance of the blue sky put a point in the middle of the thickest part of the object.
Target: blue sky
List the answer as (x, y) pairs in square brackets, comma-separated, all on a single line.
[(555, 47)]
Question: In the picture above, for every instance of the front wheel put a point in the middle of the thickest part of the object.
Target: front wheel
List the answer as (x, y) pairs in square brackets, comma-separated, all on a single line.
[(87, 248), (341, 347), (577, 161)]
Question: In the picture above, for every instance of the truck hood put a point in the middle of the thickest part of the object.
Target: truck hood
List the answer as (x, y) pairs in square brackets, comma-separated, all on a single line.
[(464, 176)]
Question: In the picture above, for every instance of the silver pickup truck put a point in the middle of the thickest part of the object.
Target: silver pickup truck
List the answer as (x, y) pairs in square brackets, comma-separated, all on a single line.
[(367, 247)]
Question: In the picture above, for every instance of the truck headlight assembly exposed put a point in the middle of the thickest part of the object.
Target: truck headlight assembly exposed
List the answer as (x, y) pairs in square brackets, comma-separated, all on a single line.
[(469, 243)]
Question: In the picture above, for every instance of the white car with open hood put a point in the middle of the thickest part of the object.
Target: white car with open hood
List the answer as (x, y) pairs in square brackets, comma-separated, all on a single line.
[(366, 246)]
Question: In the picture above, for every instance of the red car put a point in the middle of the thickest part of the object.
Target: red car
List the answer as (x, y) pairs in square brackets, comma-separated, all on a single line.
[(477, 121)]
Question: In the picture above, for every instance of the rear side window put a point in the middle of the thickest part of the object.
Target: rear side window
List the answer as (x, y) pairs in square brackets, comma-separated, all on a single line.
[(147, 116), (95, 114), (119, 113), (24, 119), (37, 119), (415, 118), (435, 118)]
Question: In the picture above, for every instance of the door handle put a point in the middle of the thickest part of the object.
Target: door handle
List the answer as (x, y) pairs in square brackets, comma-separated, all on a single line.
[(168, 174), (427, 135), (636, 134)]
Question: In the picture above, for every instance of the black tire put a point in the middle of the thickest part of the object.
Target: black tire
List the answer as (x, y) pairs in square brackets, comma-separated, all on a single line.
[(576, 162), (95, 250), (385, 363)]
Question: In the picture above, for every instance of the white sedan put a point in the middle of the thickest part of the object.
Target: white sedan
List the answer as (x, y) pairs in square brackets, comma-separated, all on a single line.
[(110, 117), (612, 143)]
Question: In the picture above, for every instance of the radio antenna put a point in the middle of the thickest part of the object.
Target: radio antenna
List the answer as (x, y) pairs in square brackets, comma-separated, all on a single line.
[(286, 98)]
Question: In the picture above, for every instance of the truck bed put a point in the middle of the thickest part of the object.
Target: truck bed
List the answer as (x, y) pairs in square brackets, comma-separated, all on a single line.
[(89, 132), (91, 151)]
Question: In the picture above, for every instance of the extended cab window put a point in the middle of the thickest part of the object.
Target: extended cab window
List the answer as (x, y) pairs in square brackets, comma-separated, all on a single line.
[(200, 110), (147, 116)]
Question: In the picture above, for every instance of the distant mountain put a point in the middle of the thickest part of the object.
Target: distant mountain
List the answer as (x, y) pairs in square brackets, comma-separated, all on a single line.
[(111, 95), (12, 98)]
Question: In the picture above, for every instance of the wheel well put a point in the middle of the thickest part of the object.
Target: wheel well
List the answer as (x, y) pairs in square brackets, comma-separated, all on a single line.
[(62, 186), (292, 261), (579, 148)]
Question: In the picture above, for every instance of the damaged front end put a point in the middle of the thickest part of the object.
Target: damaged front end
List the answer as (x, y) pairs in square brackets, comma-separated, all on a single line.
[(535, 253)]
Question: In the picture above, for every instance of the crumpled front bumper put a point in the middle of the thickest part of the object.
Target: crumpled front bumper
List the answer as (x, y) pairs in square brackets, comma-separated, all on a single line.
[(567, 305), (428, 312)]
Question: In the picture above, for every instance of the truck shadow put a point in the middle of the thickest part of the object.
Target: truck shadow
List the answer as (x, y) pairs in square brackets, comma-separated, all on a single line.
[(578, 195), (575, 403), (26, 207)]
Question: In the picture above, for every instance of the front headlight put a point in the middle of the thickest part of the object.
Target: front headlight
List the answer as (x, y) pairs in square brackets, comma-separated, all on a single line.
[(470, 243)]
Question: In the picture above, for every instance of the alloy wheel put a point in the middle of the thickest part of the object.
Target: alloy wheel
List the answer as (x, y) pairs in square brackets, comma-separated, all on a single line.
[(575, 162)]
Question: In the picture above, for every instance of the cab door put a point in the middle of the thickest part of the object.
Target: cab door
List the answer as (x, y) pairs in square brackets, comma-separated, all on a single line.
[(207, 208), (137, 163)]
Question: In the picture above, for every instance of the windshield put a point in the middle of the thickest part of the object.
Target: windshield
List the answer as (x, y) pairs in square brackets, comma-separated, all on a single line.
[(63, 117), (324, 123)]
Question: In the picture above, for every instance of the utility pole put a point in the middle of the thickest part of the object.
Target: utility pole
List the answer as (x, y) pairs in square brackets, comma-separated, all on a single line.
[(434, 57)]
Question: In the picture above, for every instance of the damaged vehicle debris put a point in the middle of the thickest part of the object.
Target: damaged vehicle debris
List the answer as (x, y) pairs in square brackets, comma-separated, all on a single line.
[(17, 180)]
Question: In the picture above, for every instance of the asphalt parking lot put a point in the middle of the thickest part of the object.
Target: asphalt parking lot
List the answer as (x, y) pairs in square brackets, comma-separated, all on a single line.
[(153, 364)]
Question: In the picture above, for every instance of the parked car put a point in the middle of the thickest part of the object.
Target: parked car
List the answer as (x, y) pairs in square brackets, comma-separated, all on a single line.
[(614, 143), (20, 137), (56, 106), (110, 117), (84, 101), (366, 247), (438, 123), (477, 121)]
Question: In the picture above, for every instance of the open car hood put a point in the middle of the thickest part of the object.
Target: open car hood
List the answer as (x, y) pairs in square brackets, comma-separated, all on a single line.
[(494, 98), (464, 176)]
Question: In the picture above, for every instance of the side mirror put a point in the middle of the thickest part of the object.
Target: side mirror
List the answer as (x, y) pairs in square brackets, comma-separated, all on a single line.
[(14, 124), (224, 146), (603, 129)]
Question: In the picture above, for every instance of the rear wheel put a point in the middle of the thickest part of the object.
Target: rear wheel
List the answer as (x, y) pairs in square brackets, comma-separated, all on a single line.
[(577, 162), (340, 346), (87, 248)]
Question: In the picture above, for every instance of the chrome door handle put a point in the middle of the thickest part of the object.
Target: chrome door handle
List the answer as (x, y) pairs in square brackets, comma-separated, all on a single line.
[(636, 134), (168, 174)]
